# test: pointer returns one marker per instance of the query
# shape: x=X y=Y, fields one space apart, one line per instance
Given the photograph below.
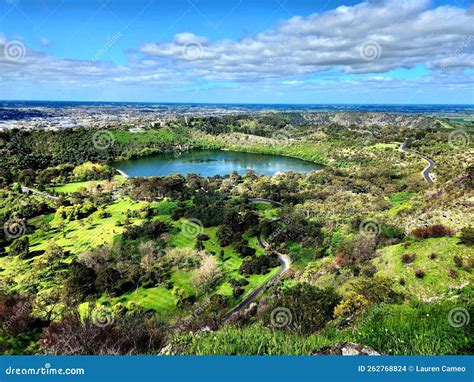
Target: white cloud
x=405 y=32
x=400 y=34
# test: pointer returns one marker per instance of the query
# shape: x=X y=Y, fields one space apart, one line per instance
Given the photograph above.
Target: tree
x=467 y=235
x=306 y=307
x=20 y=247
x=207 y=274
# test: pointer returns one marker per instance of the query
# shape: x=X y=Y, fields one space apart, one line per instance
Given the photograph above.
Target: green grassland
x=69 y=188
x=437 y=282
x=78 y=236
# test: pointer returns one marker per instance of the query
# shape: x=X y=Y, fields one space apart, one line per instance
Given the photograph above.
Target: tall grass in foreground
x=411 y=329
x=415 y=329
x=260 y=340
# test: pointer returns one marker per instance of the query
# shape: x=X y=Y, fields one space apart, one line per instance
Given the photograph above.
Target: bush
x=127 y=334
x=467 y=235
x=437 y=230
x=102 y=214
x=20 y=247
x=243 y=248
x=419 y=273
x=151 y=229
x=238 y=291
x=306 y=307
x=453 y=273
x=458 y=261
x=258 y=265
x=369 y=270
x=353 y=305
x=376 y=290
x=202 y=237
x=408 y=258
x=469 y=263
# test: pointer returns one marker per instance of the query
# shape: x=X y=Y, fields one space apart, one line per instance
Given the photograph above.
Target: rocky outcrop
x=363 y=119
x=346 y=348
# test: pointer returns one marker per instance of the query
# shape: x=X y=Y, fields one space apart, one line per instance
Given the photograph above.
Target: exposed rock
x=346 y=348
x=167 y=350
x=251 y=309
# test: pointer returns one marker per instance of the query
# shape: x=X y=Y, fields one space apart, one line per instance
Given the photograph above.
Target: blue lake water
x=213 y=162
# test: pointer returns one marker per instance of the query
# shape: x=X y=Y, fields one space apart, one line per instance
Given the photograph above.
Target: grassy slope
x=437 y=280
x=69 y=188
x=88 y=233
x=409 y=329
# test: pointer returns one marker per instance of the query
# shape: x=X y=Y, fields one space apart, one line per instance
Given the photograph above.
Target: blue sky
x=238 y=51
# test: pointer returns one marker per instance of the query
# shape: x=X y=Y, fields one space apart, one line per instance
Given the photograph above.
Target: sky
x=238 y=51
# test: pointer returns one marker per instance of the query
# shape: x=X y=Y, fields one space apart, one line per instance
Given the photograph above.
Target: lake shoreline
x=212 y=162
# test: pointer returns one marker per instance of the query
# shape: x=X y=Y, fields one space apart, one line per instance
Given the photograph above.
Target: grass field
x=78 y=236
x=69 y=188
x=83 y=234
x=437 y=281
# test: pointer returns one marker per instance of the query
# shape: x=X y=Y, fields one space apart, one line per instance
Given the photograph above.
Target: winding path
x=430 y=164
x=27 y=190
x=284 y=261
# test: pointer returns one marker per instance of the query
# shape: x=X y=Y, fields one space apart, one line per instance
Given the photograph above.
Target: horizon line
x=244 y=103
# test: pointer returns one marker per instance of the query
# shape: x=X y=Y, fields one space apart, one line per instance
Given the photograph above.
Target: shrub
x=20 y=247
x=419 y=273
x=307 y=308
x=453 y=273
x=457 y=261
x=376 y=290
x=437 y=230
x=469 y=263
x=202 y=237
x=102 y=214
x=237 y=291
x=151 y=229
x=408 y=258
x=353 y=305
x=130 y=334
x=243 y=248
x=258 y=265
x=369 y=270
x=467 y=235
